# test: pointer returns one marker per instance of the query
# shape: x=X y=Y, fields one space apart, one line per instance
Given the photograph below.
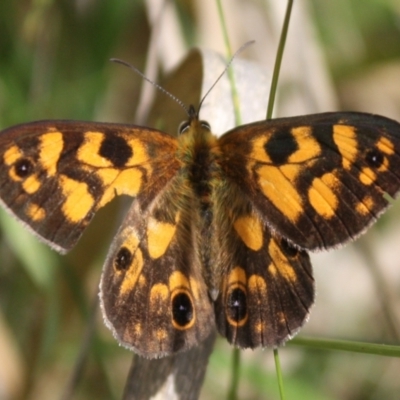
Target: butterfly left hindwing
x=219 y=228
x=153 y=294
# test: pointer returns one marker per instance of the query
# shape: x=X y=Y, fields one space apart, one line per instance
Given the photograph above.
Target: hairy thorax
x=200 y=170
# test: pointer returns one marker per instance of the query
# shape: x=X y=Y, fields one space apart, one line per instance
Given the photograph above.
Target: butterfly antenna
x=160 y=88
x=243 y=47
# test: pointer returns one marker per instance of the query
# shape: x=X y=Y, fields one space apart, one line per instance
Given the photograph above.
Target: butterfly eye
x=205 y=125
x=123 y=259
x=183 y=127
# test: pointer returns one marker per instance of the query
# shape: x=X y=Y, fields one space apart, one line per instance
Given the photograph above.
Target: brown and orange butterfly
x=219 y=228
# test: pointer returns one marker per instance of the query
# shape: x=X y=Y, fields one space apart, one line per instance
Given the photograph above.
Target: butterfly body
x=219 y=228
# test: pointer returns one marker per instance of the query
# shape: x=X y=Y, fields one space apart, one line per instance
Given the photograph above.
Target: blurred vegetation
x=54 y=64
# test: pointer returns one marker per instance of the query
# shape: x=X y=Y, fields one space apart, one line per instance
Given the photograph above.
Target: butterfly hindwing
x=153 y=294
x=267 y=287
x=55 y=175
x=318 y=180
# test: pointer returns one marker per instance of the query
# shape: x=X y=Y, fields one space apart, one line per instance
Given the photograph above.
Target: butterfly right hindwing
x=267 y=287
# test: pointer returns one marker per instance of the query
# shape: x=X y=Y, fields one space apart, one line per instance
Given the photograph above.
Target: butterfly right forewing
x=318 y=180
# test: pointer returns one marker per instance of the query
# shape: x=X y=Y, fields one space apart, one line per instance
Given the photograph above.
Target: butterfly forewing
x=55 y=175
x=318 y=180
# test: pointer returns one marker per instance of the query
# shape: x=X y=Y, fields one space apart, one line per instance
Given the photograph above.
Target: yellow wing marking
x=158 y=303
x=291 y=171
x=159 y=236
x=159 y=295
x=257 y=285
x=119 y=182
x=249 y=228
x=280 y=191
x=367 y=176
x=31 y=184
x=258 y=290
x=385 y=145
x=280 y=264
x=308 y=147
x=194 y=285
x=89 y=152
x=50 y=149
x=384 y=166
x=140 y=155
x=258 y=152
x=35 y=213
x=178 y=280
x=132 y=275
x=237 y=276
x=364 y=207
x=345 y=139
x=78 y=200
x=12 y=155
x=322 y=196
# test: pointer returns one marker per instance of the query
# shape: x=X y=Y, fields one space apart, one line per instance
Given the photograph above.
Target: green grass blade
x=348 y=345
x=278 y=60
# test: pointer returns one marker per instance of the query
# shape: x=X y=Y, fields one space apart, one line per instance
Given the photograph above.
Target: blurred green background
x=54 y=64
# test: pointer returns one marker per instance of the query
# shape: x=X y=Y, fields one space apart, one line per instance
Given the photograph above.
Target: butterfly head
x=193 y=124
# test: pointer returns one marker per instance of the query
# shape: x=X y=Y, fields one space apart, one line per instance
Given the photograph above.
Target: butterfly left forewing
x=152 y=290
x=318 y=180
x=54 y=175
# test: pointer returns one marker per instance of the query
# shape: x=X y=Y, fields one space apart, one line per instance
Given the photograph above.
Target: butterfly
x=219 y=229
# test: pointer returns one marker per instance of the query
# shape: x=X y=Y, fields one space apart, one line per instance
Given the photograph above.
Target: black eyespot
x=237 y=305
x=182 y=309
x=205 y=125
x=288 y=248
x=23 y=168
x=374 y=158
x=183 y=127
x=123 y=259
